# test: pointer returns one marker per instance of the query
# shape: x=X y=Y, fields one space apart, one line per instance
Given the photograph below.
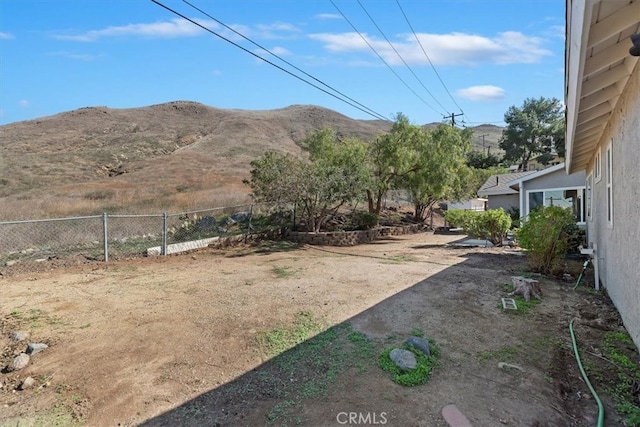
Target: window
x=609 y=186
x=588 y=204
x=567 y=198
x=597 y=166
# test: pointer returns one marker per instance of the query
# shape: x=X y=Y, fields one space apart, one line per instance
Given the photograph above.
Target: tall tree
x=392 y=156
x=441 y=172
x=535 y=128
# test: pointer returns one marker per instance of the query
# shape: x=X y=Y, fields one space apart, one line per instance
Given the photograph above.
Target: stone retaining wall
x=350 y=238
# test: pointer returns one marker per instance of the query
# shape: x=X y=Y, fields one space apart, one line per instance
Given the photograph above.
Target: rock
x=27 y=383
x=18 y=336
x=419 y=344
x=404 y=359
x=12 y=262
x=240 y=216
x=18 y=362
x=503 y=365
x=34 y=348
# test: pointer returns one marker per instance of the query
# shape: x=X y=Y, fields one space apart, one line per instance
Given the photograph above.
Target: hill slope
x=175 y=155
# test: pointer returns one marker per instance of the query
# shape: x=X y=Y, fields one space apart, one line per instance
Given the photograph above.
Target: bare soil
x=174 y=340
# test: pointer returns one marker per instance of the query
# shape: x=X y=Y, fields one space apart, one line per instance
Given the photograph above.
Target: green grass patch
x=620 y=383
x=307 y=361
x=413 y=377
x=523 y=306
x=283 y=272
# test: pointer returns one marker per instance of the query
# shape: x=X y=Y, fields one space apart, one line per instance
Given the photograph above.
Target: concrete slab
x=470 y=243
x=182 y=247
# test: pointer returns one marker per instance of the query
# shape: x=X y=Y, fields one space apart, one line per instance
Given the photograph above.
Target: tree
x=440 y=172
x=535 y=128
x=480 y=160
x=391 y=157
x=335 y=175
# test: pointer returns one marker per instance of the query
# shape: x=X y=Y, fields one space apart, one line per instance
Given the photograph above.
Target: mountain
x=177 y=155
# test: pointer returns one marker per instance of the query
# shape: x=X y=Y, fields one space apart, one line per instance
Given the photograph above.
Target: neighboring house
x=602 y=97
x=498 y=192
x=552 y=187
x=478 y=204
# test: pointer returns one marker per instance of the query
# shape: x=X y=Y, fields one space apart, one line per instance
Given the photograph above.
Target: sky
x=367 y=59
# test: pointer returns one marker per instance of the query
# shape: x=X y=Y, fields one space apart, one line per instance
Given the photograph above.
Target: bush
x=459 y=218
x=546 y=236
x=363 y=220
x=492 y=224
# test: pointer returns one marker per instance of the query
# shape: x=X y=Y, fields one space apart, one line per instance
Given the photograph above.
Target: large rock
x=33 y=348
x=404 y=359
x=419 y=344
x=18 y=362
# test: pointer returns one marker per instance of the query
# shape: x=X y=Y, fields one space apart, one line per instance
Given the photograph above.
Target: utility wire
x=381 y=58
x=400 y=56
x=282 y=59
x=429 y=59
x=376 y=115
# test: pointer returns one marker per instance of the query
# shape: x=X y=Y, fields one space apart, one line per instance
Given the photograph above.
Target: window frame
x=588 y=194
x=609 y=183
x=580 y=195
x=597 y=166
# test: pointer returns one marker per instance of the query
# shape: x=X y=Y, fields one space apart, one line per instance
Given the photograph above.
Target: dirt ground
x=174 y=341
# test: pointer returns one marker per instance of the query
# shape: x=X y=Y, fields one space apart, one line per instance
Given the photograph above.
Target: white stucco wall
x=618 y=247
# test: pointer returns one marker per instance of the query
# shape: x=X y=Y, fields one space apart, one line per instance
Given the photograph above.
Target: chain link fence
x=35 y=245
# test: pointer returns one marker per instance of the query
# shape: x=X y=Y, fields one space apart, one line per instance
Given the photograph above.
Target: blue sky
x=478 y=57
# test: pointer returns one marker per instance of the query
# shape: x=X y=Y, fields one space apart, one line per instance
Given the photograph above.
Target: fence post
x=105 y=237
x=164 y=233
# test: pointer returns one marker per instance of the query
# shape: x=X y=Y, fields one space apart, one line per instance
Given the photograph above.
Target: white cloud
x=6 y=36
x=482 y=93
x=72 y=55
x=175 y=28
x=281 y=51
x=24 y=103
x=328 y=16
x=510 y=47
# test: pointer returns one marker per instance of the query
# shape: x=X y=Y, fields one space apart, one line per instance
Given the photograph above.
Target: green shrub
x=363 y=220
x=492 y=224
x=545 y=235
x=458 y=217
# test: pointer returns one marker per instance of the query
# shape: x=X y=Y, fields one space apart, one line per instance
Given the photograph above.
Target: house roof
x=597 y=68
x=516 y=184
x=497 y=185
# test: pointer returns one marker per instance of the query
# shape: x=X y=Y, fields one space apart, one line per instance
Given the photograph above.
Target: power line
x=370 y=112
x=381 y=58
x=428 y=58
x=279 y=57
x=400 y=56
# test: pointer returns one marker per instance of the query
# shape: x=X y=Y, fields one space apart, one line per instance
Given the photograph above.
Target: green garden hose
x=584 y=268
x=586 y=379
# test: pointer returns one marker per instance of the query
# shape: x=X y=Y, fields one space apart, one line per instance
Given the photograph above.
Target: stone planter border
x=350 y=238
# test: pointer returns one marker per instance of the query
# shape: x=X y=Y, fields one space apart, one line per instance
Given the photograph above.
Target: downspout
x=595 y=266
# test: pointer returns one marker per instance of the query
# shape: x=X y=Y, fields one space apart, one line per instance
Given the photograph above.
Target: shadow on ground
x=323 y=380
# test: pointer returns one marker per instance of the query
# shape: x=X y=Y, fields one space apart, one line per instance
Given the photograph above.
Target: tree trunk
x=526 y=288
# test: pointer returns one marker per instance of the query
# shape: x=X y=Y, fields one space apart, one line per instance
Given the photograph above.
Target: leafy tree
x=480 y=160
x=392 y=157
x=441 y=172
x=534 y=129
x=335 y=175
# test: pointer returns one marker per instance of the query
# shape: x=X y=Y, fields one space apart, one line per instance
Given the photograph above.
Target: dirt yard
x=177 y=340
